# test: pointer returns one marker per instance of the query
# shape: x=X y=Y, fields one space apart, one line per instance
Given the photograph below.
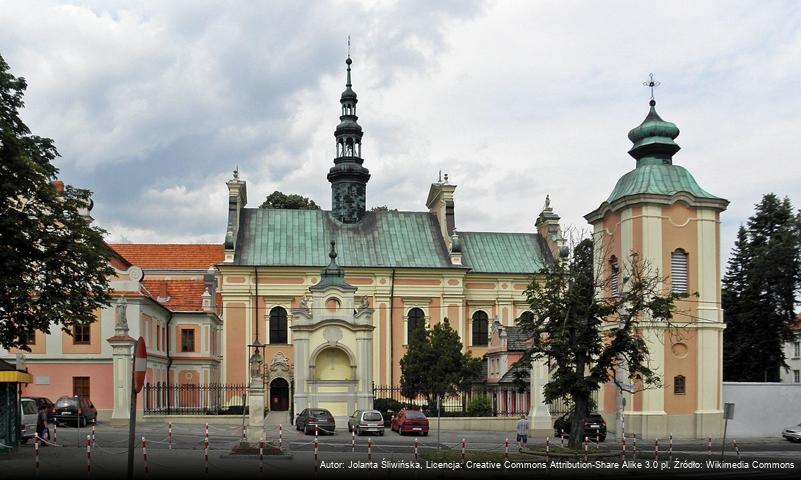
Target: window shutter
x=678 y=271
x=615 y=276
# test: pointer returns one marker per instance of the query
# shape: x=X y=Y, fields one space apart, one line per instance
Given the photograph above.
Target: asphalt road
x=183 y=455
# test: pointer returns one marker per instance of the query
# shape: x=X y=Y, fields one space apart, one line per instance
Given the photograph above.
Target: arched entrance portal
x=279 y=395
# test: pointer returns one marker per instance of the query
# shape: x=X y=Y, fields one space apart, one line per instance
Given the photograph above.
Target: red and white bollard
x=623 y=450
x=415 y=448
x=55 y=432
x=562 y=436
x=144 y=455
x=353 y=439
x=206 y=451
x=280 y=437
x=656 y=450
x=586 y=448
x=547 y=450
x=709 y=446
x=88 y=456
x=36 y=451
x=169 y=436
x=315 y=433
x=462 y=449
x=315 y=453
x=737 y=449
x=261 y=456
x=369 y=450
x=93 y=433
x=244 y=432
x=506 y=448
x=634 y=446
x=597 y=440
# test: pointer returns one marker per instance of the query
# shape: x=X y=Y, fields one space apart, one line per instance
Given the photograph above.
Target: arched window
x=278 y=325
x=678 y=271
x=414 y=318
x=614 y=276
x=480 y=329
x=679 y=385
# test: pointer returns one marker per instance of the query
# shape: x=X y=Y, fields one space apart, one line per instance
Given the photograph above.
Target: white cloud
x=513 y=99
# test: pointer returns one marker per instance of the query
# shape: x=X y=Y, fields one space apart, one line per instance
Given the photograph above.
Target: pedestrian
x=522 y=432
x=41 y=425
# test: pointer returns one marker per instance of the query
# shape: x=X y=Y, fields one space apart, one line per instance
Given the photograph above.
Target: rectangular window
x=80 y=386
x=797 y=376
x=187 y=340
x=679 y=385
x=30 y=339
x=796 y=349
x=81 y=334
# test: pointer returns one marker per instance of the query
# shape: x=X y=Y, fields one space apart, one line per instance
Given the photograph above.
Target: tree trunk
x=581 y=404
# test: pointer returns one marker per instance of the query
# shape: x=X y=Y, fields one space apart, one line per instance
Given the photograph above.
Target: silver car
x=29 y=417
x=363 y=421
x=792 y=433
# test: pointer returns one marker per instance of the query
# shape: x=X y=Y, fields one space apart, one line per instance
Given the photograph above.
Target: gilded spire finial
x=651 y=83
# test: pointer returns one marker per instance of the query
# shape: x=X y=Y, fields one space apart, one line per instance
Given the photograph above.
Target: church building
x=400 y=268
x=326 y=300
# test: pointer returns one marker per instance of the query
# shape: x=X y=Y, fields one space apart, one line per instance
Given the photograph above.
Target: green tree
x=434 y=364
x=383 y=208
x=292 y=201
x=54 y=266
x=762 y=280
x=589 y=336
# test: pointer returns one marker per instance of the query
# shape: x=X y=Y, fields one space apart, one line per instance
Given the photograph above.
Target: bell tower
x=660 y=212
x=348 y=177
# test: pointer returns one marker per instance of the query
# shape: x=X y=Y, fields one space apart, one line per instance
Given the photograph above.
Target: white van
x=29 y=415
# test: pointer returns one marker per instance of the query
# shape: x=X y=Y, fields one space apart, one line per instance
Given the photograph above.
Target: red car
x=410 y=421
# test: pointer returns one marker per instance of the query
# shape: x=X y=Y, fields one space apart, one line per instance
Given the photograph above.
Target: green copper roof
x=332 y=275
x=504 y=252
x=301 y=238
x=664 y=179
x=655 y=173
x=276 y=237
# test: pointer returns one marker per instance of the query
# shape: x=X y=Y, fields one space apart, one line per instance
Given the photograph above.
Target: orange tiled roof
x=177 y=295
x=167 y=256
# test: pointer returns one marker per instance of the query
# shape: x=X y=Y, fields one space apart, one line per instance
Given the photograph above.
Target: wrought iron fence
x=456 y=405
x=459 y=405
x=211 y=399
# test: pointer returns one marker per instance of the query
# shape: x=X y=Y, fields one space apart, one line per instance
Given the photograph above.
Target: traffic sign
x=140 y=365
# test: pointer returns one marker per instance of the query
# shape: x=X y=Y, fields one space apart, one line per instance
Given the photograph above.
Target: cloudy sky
x=153 y=105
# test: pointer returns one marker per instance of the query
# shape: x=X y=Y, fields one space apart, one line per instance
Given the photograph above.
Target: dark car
x=410 y=421
x=43 y=403
x=315 y=418
x=594 y=427
x=363 y=421
x=77 y=409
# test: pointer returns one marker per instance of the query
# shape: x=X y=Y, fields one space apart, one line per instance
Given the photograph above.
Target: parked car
x=364 y=421
x=792 y=433
x=29 y=415
x=319 y=418
x=410 y=421
x=78 y=409
x=44 y=403
x=594 y=426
